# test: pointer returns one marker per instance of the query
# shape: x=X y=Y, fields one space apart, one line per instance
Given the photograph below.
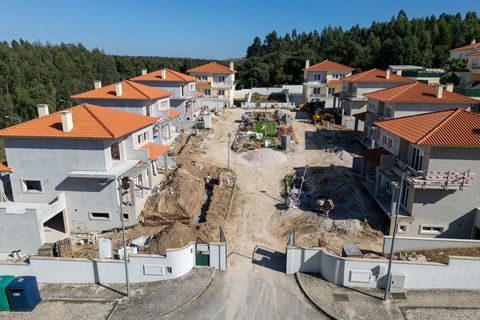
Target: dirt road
x=255 y=285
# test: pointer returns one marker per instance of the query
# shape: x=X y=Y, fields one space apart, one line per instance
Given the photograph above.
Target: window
x=126 y=216
x=115 y=151
x=145 y=135
x=405 y=191
x=317 y=77
x=431 y=229
x=169 y=269
x=402 y=228
x=192 y=86
x=416 y=158
x=163 y=105
x=221 y=92
x=386 y=184
x=155 y=131
x=202 y=78
x=388 y=142
x=221 y=78
x=388 y=113
x=331 y=91
x=208 y=92
x=99 y=216
x=32 y=186
x=316 y=91
x=142 y=137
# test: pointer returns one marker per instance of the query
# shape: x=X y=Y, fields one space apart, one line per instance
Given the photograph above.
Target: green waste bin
x=4 y=282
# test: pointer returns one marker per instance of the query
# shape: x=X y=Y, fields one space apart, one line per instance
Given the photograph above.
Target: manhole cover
x=340 y=297
x=399 y=296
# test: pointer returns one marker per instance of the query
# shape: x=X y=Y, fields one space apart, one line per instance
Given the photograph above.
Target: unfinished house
x=439 y=155
x=133 y=97
x=406 y=100
x=70 y=170
x=216 y=84
x=322 y=81
x=352 y=99
x=184 y=102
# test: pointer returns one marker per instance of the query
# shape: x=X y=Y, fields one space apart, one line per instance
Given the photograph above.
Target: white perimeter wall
x=417 y=243
x=459 y=273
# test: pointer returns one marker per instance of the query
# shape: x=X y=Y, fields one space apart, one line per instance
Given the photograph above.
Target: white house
x=73 y=171
x=216 y=83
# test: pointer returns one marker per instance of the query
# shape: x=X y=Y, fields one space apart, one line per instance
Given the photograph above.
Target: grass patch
x=271 y=128
x=441 y=255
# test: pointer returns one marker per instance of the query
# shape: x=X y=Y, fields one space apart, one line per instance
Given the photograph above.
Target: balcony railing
x=222 y=84
x=433 y=179
x=355 y=96
x=316 y=83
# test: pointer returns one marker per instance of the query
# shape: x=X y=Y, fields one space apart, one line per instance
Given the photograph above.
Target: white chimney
x=307 y=64
x=439 y=93
x=144 y=72
x=97 y=84
x=449 y=87
x=118 y=89
x=42 y=110
x=387 y=74
x=232 y=65
x=473 y=41
x=164 y=73
x=399 y=72
x=67 y=121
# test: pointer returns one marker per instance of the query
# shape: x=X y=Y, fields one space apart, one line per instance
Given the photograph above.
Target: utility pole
x=386 y=296
x=265 y=117
x=228 y=157
x=125 y=252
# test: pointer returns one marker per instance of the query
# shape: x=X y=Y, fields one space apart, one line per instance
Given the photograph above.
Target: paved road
x=252 y=290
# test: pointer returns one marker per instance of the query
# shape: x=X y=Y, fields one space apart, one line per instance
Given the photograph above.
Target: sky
x=197 y=29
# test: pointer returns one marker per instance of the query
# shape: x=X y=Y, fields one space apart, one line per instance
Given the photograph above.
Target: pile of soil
x=264 y=156
x=178 y=201
x=174 y=236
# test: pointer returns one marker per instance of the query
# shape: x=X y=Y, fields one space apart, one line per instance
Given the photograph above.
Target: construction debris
x=176 y=235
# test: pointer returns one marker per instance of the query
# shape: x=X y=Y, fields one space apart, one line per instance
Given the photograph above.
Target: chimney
x=307 y=64
x=439 y=93
x=144 y=72
x=164 y=73
x=67 y=121
x=399 y=72
x=231 y=65
x=473 y=41
x=387 y=74
x=42 y=110
x=97 y=84
x=118 y=89
x=449 y=87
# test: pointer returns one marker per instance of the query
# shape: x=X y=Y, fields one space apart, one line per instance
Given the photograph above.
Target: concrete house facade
x=140 y=99
x=406 y=100
x=183 y=99
x=323 y=80
x=216 y=84
x=439 y=155
x=68 y=169
x=352 y=98
x=469 y=79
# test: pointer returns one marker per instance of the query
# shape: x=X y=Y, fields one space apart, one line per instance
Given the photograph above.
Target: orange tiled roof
x=173 y=114
x=202 y=83
x=361 y=116
x=130 y=91
x=467 y=47
x=199 y=94
x=327 y=65
x=334 y=81
x=212 y=67
x=374 y=156
x=89 y=122
x=4 y=168
x=417 y=93
x=171 y=75
x=376 y=75
x=155 y=150
x=476 y=53
x=454 y=127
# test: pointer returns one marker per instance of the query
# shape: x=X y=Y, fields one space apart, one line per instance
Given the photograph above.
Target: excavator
x=315 y=109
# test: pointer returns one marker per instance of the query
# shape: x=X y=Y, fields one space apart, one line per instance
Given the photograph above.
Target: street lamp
x=125 y=252
x=228 y=157
x=265 y=117
x=386 y=296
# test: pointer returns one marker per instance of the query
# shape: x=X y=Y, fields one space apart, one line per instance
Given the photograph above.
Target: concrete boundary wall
x=417 y=243
x=459 y=273
x=142 y=267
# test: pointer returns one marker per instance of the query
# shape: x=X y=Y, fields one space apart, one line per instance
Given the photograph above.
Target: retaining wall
x=417 y=243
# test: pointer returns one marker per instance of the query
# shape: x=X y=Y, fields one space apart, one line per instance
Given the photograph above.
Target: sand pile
x=180 y=200
x=264 y=156
x=174 y=236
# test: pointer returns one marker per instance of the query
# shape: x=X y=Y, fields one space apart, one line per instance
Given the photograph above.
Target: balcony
x=352 y=96
x=315 y=83
x=222 y=85
x=446 y=180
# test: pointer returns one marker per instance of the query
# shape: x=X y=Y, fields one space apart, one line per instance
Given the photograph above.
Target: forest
x=32 y=73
